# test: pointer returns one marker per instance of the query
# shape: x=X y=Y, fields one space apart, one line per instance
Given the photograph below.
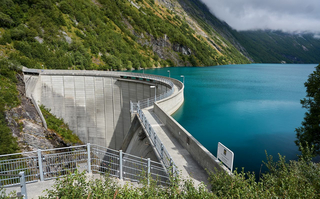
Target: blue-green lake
x=249 y=108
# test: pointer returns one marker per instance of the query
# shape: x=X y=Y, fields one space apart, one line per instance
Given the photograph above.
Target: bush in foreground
x=293 y=179
x=76 y=186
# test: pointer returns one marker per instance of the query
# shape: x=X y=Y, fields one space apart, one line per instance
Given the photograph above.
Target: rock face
x=27 y=127
x=164 y=48
x=180 y=48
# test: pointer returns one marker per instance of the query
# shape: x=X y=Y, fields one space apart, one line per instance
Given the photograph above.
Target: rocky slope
x=27 y=127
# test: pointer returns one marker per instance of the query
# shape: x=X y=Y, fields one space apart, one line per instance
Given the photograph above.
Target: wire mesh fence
x=62 y=161
x=53 y=163
x=13 y=164
x=105 y=160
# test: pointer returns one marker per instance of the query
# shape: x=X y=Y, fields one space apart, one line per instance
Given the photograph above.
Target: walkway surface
x=187 y=166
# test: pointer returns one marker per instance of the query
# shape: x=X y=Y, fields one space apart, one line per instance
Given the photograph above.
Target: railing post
x=161 y=155
x=148 y=102
x=148 y=171
x=150 y=130
x=171 y=165
x=40 y=165
x=120 y=164
x=89 y=158
x=23 y=185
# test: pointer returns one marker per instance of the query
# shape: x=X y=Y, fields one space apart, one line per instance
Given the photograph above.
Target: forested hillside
x=106 y=35
x=261 y=46
x=276 y=46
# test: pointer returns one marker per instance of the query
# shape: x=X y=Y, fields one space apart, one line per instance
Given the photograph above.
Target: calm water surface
x=248 y=108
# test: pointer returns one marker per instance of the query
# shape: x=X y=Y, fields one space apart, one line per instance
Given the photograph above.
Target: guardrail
x=162 y=152
x=53 y=163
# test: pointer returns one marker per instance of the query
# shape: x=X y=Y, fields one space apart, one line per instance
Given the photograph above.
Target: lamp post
x=183 y=78
x=155 y=93
x=169 y=73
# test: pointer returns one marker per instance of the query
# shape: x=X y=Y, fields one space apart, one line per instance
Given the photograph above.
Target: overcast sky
x=286 y=15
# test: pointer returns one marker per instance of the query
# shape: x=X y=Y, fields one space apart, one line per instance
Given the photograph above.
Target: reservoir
x=249 y=108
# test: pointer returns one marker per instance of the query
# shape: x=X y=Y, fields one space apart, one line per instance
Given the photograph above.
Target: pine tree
x=309 y=132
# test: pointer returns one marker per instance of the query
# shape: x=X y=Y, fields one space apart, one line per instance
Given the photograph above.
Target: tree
x=309 y=132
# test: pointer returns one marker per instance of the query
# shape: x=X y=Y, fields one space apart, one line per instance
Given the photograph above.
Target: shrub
x=59 y=127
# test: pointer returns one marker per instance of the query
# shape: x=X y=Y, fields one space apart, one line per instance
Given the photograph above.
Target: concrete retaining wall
x=197 y=151
x=96 y=107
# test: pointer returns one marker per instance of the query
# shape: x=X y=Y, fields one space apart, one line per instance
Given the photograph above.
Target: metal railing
x=23 y=186
x=162 y=152
x=53 y=163
x=151 y=78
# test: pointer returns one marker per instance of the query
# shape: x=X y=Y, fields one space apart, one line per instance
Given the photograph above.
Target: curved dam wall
x=96 y=105
x=166 y=107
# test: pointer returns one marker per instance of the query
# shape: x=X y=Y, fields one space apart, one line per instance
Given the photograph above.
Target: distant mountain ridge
x=261 y=46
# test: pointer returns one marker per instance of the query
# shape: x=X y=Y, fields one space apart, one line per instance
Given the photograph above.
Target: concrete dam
x=119 y=110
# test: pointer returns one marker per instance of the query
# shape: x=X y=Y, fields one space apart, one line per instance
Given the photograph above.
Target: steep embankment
x=109 y=35
x=21 y=128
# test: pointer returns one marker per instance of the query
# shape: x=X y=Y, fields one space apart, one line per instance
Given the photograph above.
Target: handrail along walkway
x=54 y=163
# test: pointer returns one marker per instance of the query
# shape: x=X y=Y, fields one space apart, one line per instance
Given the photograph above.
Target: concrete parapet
x=197 y=150
x=172 y=103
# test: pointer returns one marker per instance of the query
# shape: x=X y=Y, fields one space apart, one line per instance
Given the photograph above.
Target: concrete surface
x=198 y=152
x=136 y=142
x=96 y=105
x=187 y=166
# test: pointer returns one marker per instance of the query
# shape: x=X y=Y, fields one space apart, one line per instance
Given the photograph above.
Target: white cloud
x=285 y=15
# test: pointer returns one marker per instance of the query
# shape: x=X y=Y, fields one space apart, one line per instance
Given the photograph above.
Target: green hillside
x=276 y=46
x=105 y=35
x=262 y=46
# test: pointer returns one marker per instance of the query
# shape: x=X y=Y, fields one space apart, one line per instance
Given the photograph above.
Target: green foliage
x=308 y=134
x=8 y=100
x=106 y=30
x=59 y=127
x=76 y=186
x=5 y=20
x=293 y=179
x=276 y=46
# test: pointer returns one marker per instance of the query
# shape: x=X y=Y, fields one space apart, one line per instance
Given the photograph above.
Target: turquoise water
x=248 y=108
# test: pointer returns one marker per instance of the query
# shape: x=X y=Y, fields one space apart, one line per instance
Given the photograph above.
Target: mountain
x=260 y=46
x=108 y=35
x=275 y=46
